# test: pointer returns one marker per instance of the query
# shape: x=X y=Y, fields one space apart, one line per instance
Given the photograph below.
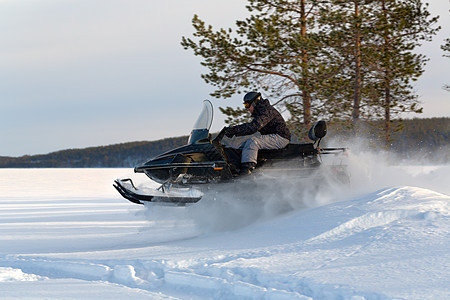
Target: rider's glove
x=230 y=131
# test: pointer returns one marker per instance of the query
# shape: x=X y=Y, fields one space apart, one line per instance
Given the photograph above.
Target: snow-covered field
x=67 y=234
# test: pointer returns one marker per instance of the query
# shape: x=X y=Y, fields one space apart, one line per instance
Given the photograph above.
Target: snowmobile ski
x=128 y=190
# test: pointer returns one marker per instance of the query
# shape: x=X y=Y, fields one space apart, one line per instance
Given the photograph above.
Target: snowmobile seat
x=290 y=151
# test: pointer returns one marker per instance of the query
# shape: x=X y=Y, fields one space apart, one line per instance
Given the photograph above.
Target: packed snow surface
x=67 y=234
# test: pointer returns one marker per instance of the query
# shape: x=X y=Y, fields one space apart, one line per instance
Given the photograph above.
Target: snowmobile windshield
x=200 y=131
x=204 y=121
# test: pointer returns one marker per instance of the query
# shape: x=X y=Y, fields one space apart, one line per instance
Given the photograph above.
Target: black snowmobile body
x=206 y=161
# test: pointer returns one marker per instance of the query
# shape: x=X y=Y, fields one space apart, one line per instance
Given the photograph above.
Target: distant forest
x=423 y=138
x=111 y=156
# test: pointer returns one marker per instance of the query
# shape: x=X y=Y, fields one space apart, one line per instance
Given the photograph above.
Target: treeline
x=411 y=138
x=425 y=138
x=111 y=156
x=423 y=135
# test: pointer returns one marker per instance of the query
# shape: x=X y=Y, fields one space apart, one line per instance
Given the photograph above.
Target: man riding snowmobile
x=267 y=121
x=186 y=173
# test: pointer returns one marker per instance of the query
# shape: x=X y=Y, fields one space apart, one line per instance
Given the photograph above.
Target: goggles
x=247 y=105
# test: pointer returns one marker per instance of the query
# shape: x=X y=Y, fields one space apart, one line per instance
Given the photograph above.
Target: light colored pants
x=269 y=141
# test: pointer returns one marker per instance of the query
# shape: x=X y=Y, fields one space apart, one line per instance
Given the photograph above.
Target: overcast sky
x=80 y=73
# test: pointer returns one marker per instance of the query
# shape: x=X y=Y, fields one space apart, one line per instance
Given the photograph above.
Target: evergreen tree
x=399 y=27
x=346 y=32
x=377 y=38
x=275 y=50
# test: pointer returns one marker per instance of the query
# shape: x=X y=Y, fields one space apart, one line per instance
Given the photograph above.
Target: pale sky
x=81 y=73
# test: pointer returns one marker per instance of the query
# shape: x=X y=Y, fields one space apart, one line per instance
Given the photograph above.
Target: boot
x=247 y=168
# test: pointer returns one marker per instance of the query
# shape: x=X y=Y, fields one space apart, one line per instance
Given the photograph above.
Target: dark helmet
x=250 y=98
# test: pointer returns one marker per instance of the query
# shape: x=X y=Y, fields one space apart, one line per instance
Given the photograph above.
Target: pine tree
x=346 y=32
x=377 y=38
x=399 y=27
x=275 y=50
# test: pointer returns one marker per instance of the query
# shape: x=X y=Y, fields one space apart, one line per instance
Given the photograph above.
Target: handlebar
x=216 y=143
x=220 y=136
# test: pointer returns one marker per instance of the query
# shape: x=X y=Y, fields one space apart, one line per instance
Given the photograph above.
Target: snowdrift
x=391 y=243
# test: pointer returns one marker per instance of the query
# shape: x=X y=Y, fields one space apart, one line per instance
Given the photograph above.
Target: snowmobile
x=184 y=172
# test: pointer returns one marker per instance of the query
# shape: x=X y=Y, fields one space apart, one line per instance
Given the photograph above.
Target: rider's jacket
x=266 y=120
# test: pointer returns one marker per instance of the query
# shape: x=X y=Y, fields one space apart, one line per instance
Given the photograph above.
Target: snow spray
x=230 y=206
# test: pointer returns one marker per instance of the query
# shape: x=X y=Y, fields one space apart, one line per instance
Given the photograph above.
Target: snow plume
x=263 y=196
x=258 y=198
x=230 y=206
x=236 y=205
x=374 y=169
